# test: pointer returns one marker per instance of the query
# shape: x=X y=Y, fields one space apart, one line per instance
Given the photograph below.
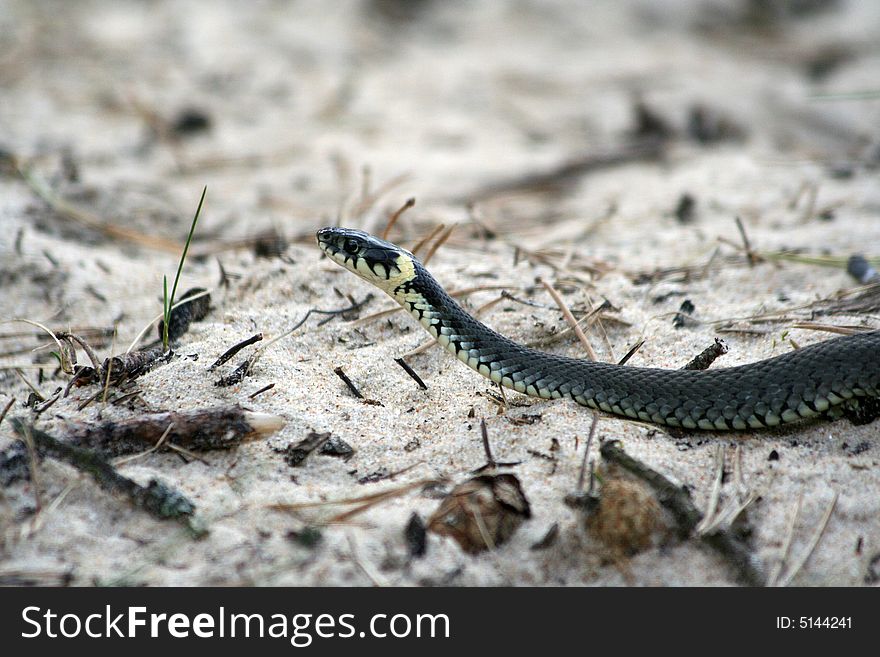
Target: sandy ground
x=336 y=113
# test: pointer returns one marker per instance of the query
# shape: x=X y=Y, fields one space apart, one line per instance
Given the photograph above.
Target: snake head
x=381 y=263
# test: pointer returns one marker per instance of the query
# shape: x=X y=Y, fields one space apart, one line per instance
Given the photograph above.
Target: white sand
x=459 y=98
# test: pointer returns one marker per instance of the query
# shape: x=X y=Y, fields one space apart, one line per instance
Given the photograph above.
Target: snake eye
x=351 y=247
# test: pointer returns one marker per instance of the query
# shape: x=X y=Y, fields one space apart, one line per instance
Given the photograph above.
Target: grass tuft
x=167 y=301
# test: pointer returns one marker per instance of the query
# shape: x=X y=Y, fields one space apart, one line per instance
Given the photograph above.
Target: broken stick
x=203 y=429
x=156 y=498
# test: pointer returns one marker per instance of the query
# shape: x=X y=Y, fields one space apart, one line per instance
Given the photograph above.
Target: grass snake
x=804 y=383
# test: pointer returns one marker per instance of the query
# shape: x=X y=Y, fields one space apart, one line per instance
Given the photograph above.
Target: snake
x=821 y=379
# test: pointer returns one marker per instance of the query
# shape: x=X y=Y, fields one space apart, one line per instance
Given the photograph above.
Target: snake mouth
x=326 y=241
x=342 y=245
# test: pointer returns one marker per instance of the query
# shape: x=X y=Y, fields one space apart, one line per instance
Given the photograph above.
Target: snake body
x=801 y=384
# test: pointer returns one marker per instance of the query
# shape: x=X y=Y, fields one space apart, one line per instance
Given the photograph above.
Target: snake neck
x=487 y=352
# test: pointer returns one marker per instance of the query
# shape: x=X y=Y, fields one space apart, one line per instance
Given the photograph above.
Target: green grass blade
x=166 y=312
x=170 y=300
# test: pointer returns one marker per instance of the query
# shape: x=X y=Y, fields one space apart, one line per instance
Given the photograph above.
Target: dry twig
x=572 y=322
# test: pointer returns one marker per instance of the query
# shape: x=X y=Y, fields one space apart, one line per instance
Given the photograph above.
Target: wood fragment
x=188 y=298
x=684 y=211
x=705 y=358
x=409 y=370
x=583 y=471
x=46 y=405
x=436 y=245
x=427 y=238
x=158 y=499
x=361 y=503
x=91 y=290
x=234 y=349
x=338 y=371
x=70 y=337
x=382 y=473
x=130 y=365
x=707 y=125
x=410 y=202
x=491 y=463
x=830 y=328
x=295 y=455
x=572 y=322
x=203 y=429
x=159 y=443
x=195 y=304
x=753 y=259
x=308 y=537
x=650 y=123
x=236 y=376
x=632 y=351
x=244 y=368
x=261 y=391
x=542 y=455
